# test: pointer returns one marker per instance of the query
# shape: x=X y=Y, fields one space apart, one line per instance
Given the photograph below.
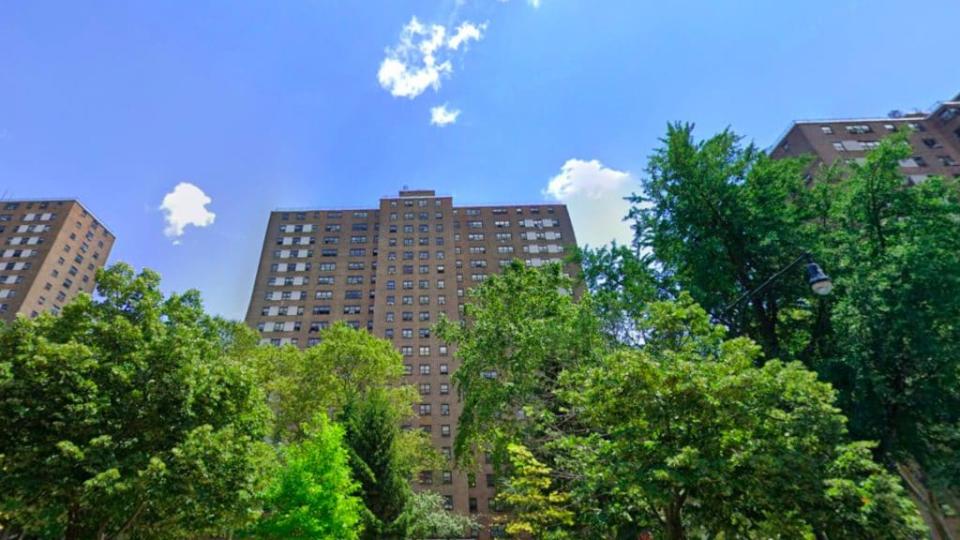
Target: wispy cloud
x=594 y=195
x=422 y=57
x=185 y=205
x=442 y=116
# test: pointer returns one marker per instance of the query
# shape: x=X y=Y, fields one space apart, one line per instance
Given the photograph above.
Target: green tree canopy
x=312 y=495
x=523 y=329
x=687 y=433
x=718 y=218
x=129 y=416
x=342 y=369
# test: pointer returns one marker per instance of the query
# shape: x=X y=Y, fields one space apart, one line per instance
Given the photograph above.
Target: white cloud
x=185 y=205
x=422 y=56
x=442 y=116
x=534 y=3
x=594 y=195
x=465 y=32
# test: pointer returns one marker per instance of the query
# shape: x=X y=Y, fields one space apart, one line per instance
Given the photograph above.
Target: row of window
x=329 y=227
x=422 y=316
x=426 y=368
x=863 y=129
x=423 y=300
x=16 y=253
x=322 y=267
x=24 y=240
x=426 y=389
x=426 y=409
x=332 y=214
x=308 y=253
x=311 y=240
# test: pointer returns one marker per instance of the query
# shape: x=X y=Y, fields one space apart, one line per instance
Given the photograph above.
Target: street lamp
x=819 y=281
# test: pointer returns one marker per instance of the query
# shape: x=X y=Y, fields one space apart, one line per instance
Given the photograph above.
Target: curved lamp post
x=819 y=281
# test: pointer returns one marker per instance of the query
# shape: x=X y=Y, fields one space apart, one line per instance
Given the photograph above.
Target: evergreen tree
x=373 y=435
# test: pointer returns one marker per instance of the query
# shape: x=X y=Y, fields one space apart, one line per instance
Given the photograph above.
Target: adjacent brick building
x=50 y=251
x=393 y=270
x=935 y=138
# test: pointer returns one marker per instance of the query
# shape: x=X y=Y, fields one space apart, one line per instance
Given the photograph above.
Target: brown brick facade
x=393 y=270
x=50 y=251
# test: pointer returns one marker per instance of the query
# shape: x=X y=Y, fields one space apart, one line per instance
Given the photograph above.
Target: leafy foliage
x=342 y=369
x=425 y=517
x=313 y=494
x=356 y=378
x=690 y=436
x=621 y=283
x=524 y=329
x=372 y=434
x=536 y=510
x=133 y=415
x=683 y=434
x=896 y=356
x=718 y=218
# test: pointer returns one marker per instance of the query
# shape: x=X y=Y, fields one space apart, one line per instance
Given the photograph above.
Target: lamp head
x=818 y=280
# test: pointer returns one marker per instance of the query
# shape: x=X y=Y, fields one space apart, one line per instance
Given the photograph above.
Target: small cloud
x=422 y=57
x=185 y=205
x=534 y=3
x=442 y=116
x=594 y=195
x=465 y=32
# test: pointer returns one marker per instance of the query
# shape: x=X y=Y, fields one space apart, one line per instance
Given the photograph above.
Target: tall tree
x=342 y=369
x=524 y=328
x=683 y=434
x=895 y=255
x=312 y=495
x=373 y=436
x=133 y=415
x=621 y=283
x=719 y=218
x=690 y=436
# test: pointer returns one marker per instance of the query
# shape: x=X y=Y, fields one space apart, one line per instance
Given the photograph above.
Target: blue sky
x=262 y=105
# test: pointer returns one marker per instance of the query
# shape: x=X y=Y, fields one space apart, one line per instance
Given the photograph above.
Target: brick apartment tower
x=50 y=251
x=935 y=138
x=393 y=270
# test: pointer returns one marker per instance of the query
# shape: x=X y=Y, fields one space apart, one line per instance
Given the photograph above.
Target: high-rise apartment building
x=934 y=136
x=393 y=270
x=50 y=251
